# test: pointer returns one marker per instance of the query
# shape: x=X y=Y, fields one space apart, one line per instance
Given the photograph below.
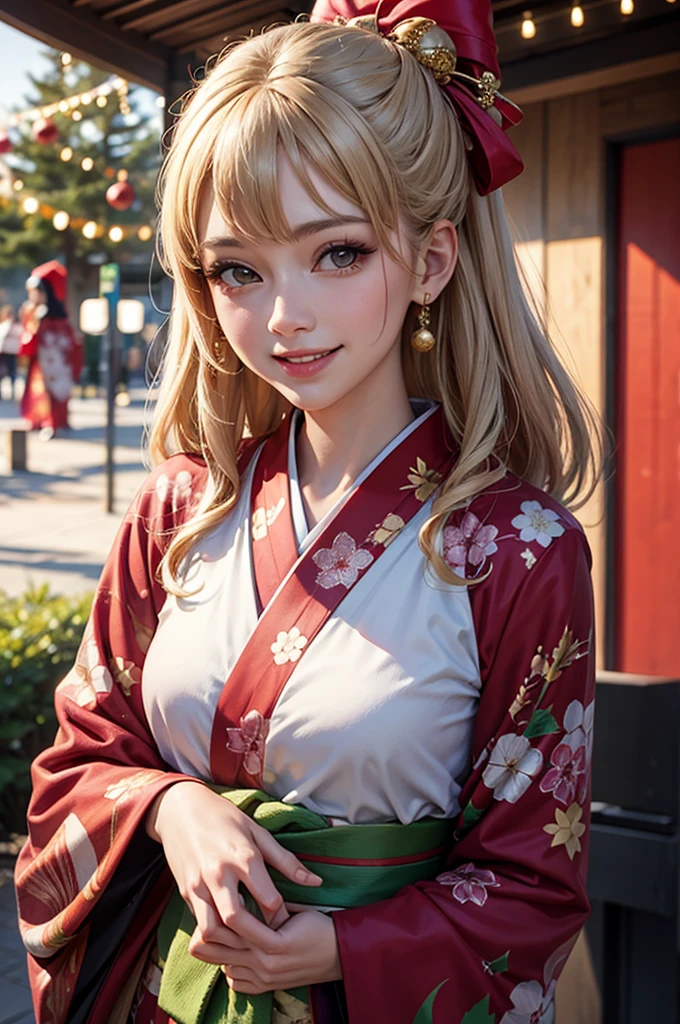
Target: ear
x=436 y=262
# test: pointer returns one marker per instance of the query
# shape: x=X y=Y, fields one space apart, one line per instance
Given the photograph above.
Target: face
x=317 y=318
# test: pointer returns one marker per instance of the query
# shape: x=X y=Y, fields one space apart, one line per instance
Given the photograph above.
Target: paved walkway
x=53 y=528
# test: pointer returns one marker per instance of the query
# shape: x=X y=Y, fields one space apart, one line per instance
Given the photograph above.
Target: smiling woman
x=314 y=745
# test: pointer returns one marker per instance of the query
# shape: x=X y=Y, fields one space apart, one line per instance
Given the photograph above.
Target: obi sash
x=359 y=864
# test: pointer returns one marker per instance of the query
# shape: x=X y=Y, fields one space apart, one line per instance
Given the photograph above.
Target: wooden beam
x=240 y=18
x=602 y=78
x=171 y=14
x=61 y=25
x=120 y=12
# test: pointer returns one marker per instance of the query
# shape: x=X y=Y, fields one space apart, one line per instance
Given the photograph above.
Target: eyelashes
x=216 y=269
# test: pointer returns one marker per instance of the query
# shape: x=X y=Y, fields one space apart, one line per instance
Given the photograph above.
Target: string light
x=18 y=185
x=63 y=107
x=144 y=233
x=116 y=233
x=528 y=26
x=86 y=98
x=61 y=220
x=66 y=59
x=30 y=205
x=90 y=229
x=87 y=163
x=66 y=154
x=160 y=101
x=102 y=101
x=76 y=115
x=577 y=18
x=627 y=6
x=122 y=175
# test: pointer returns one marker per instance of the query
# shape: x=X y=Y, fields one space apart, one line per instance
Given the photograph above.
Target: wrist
x=160 y=811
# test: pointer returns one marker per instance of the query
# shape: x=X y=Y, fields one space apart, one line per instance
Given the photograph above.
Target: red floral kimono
x=56 y=359
x=484 y=941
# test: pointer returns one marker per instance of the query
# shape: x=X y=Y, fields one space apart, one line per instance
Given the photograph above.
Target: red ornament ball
x=5 y=143
x=121 y=195
x=45 y=131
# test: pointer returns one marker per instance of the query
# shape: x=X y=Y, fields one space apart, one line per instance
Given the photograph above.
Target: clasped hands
x=212 y=847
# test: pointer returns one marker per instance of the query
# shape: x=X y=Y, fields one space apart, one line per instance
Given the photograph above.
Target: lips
x=301 y=356
x=301 y=363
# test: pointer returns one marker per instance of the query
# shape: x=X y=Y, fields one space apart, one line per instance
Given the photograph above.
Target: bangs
x=314 y=128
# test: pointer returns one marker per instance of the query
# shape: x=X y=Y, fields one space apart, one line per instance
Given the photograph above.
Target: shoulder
x=508 y=531
x=170 y=494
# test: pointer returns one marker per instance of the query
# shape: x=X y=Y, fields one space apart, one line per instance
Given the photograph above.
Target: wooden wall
x=558 y=206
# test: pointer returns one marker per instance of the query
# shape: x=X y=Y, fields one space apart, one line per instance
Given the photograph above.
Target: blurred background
x=86 y=87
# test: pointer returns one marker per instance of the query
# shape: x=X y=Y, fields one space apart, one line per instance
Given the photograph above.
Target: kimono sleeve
x=485 y=941
x=92 y=788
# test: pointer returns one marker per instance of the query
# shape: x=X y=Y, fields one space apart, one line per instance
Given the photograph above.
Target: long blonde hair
x=377 y=126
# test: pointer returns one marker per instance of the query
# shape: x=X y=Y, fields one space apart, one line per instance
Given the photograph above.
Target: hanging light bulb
x=61 y=220
x=160 y=101
x=144 y=233
x=116 y=233
x=30 y=205
x=63 y=107
x=577 y=16
x=66 y=59
x=90 y=229
x=528 y=26
x=101 y=101
x=76 y=115
x=85 y=99
x=87 y=163
x=627 y=6
x=66 y=154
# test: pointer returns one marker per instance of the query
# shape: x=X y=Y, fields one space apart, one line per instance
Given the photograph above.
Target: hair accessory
x=454 y=40
x=423 y=340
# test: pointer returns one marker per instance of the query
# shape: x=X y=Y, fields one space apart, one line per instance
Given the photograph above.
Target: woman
x=10 y=339
x=53 y=349
x=383 y=573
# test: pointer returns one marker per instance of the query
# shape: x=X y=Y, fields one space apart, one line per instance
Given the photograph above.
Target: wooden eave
x=154 y=41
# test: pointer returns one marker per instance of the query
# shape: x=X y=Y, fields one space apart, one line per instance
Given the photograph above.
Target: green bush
x=39 y=638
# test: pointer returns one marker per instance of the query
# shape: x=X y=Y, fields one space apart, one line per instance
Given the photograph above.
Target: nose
x=290 y=316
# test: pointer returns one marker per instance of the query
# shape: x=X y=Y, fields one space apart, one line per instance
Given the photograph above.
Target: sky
x=22 y=54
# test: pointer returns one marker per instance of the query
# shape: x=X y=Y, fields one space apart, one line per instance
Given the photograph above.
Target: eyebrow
x=310 y=227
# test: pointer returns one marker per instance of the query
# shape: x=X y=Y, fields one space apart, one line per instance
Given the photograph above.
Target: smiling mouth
x=311 y=358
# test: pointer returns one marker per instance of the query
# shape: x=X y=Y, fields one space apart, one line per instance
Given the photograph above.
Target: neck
x=335 y=444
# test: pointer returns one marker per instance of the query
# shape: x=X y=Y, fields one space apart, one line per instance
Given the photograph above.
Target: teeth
x=307 y=359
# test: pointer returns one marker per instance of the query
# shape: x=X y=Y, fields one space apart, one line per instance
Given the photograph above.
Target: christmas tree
x=53 y=202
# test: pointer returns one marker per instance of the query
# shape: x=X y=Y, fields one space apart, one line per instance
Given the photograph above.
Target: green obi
x=359 y=864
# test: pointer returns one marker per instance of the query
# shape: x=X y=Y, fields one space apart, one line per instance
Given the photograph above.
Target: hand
x=211 y=847
x=306 y=954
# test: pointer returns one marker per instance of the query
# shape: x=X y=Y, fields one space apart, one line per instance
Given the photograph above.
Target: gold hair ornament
x=435 y=50
x=423 y=340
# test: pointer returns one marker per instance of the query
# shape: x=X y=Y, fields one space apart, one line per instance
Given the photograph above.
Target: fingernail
x=301 y=875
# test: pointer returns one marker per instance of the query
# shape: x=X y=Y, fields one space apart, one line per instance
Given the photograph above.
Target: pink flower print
x=563 y=777
x=342 y=563
x=249 y=740
x=469 y=883
x=537 y=523
x=470 y=542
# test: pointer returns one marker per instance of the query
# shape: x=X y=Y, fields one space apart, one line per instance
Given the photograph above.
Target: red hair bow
x=484 y=114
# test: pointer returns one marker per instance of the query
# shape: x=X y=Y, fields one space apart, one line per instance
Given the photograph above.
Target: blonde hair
x=377 y=126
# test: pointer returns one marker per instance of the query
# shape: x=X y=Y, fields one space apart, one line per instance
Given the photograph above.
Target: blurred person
x=53 y=349
x=11 y=331
x=325 y=750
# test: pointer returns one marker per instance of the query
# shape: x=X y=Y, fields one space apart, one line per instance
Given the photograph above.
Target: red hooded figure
x=53 y=348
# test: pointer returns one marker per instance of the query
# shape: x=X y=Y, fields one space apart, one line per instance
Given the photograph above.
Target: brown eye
x=242 y=275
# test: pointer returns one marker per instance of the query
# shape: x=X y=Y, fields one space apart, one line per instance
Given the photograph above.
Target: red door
x=648 y=352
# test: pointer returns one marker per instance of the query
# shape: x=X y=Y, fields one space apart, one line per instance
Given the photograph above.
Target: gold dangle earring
x=218 y=352
x=423 y=340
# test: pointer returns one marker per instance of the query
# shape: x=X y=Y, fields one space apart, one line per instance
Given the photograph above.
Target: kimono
x=333 y=669
x=55 y=361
